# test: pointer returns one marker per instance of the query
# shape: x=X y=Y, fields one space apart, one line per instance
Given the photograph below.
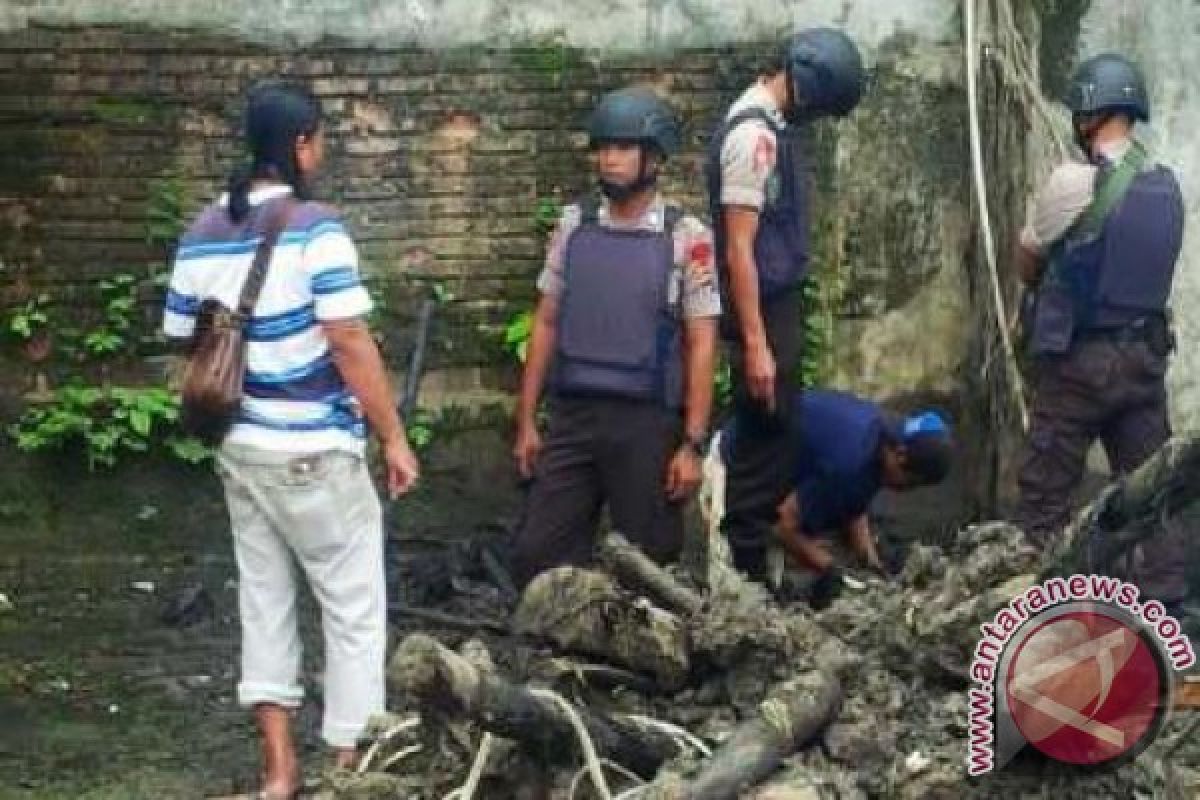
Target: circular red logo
x=1085 y=688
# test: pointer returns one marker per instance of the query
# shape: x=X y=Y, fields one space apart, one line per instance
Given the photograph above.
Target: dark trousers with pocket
x=1112 y=390
x=760 y=469
x=599 y=451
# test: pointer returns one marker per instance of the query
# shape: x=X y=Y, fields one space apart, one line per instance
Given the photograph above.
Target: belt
x=1139 y=330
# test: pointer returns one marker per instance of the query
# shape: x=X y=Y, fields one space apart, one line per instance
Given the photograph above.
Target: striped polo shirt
x=295 y=399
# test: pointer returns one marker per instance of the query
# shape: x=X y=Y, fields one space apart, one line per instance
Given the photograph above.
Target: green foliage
x=125 y=111
x=107 y=421
x=551 y=57
x=88 y=413
x=546 y=214
x=420 y=427
x=442 y=294
x=165 y=210
x=517 y=333
x=119 y=298
x=822 y=295
x=29 y=319
x=722 y=385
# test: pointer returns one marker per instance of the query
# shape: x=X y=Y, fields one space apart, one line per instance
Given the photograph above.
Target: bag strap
x=278 y=213
x=1111 y=186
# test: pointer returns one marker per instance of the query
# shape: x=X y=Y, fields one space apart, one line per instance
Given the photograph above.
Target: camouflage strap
x=1111 y=186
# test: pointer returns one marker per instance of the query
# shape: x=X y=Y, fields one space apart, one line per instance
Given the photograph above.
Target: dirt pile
x=628 y=681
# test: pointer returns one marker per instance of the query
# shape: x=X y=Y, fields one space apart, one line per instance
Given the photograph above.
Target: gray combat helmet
x=826 y=72
x=634 y=115
x=1108 y=82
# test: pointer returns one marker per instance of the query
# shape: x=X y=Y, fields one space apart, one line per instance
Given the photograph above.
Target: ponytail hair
x=277 y=114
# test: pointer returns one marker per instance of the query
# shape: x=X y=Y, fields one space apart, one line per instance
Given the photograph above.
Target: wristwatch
x=697 y=443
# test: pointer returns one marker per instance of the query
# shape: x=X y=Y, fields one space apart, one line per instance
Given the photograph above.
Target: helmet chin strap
x=799 y=109
x=1085 y=138
x=618 y=192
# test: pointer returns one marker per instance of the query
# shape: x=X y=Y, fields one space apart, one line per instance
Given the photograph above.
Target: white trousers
x=320 y=512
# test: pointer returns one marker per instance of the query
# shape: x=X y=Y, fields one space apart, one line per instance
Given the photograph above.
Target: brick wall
x=438 y=159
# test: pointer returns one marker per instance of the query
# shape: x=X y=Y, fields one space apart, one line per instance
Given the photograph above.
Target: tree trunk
x=1129 y=510
x=792 y=716
x=635 y=570
x=444 y=680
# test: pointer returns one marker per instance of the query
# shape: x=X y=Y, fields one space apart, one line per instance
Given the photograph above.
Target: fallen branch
x=605 y=676
x=793 y=715
x=585 y=611
x=442 y=679
x=456 y=621
x=635 y=570
x=1129 y=510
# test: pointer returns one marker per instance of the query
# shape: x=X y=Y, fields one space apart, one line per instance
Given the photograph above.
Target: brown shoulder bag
x=216 y=366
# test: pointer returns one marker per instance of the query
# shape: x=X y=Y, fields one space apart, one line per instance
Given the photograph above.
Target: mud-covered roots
x=668 y=687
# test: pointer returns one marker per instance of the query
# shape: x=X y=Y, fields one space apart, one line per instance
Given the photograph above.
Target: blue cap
x=923 y=423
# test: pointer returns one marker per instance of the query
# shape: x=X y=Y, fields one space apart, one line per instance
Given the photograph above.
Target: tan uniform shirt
x=1063 y=198
x=748 y=155
x=695 y=273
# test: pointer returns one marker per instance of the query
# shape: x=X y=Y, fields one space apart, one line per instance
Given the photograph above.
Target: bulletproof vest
x=1132 y=267
x=619 y=328
x=781 y=245
x=1116 y=273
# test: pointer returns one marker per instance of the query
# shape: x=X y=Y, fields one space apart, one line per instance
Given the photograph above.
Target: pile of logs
x=627 y=680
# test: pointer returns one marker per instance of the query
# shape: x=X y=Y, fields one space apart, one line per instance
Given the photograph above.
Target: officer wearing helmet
x=623 y=343
x=1100 y=250
x=758 y=195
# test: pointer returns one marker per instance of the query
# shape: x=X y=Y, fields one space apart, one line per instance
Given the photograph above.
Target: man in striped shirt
x=296 y=400
x=293 y=468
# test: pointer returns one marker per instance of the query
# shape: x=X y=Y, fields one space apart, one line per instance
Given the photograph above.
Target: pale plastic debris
x=143 y=586
x=853 y=583
x=916 y=762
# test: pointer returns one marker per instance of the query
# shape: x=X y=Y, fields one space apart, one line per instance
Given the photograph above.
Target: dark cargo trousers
x=1113 y=390
x=760 y=469
x=598 y=451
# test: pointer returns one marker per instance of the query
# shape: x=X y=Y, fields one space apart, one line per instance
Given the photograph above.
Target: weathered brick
x=97 y=83
x=67 y=82
x=444 y=153
x=182 y=63
x=341 y=86
x=407 y=84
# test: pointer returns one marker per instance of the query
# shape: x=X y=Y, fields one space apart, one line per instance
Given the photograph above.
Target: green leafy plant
x=29 y=319
x=517 y=332
x=420 y=428
x=106 y=421
x=119 y=297
x=723 y=385
x=545 y=214
x=821 y=297
x=442 y=294
x=165 y=215
x=550 y=56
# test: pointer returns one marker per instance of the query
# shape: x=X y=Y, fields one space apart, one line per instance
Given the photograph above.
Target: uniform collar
x=760 y=96
x=653 y=218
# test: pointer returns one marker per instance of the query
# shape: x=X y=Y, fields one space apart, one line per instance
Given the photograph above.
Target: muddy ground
x=99 y=697
x=102 y=698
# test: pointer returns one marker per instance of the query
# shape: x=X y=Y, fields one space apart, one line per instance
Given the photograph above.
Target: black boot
x=825 y=589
